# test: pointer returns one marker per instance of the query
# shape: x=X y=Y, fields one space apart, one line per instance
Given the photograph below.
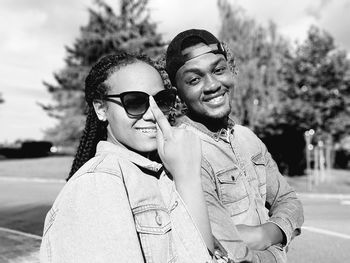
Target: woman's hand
x=179 y=149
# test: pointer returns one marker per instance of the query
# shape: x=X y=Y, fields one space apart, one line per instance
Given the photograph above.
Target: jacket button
x=158 y=219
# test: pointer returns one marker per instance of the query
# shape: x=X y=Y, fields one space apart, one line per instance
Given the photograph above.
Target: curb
x=21 y=233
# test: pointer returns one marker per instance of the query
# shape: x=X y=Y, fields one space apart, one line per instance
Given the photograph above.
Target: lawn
x=55 y=167
x=335 y=182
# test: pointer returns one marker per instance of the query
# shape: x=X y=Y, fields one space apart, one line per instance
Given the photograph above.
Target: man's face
x=203 y=83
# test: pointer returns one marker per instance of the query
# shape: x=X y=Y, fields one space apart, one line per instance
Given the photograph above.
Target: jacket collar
x=115 y=147
x=220 y=134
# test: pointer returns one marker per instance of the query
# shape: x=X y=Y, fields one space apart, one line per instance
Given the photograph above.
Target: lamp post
x=308 y=148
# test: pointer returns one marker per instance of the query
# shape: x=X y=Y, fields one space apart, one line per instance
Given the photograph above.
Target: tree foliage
x=259 y=54
x=281 y=92
x=106 y=32
x=317 y=91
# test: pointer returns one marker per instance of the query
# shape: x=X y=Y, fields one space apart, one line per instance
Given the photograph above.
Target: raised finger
x=161 y=120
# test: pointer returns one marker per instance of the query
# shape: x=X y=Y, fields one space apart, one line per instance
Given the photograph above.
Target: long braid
x=94 y=132
x=95 y=88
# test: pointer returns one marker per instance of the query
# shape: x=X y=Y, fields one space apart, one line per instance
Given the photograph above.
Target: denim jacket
x=120 y=207
x=242 y=185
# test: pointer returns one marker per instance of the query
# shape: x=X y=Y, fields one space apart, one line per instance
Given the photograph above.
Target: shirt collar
x=115 y=147
x=220 y=134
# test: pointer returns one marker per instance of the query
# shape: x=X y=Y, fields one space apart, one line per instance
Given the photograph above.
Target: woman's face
x=138 y=134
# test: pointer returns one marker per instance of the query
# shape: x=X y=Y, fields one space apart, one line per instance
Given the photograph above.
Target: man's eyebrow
x=199 y=71
x=192 y=70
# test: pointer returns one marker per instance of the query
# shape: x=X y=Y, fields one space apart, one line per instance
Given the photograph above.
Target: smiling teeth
x=217 y=99
x=151 y=130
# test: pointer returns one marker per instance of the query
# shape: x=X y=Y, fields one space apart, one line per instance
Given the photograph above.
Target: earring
x=101 y=118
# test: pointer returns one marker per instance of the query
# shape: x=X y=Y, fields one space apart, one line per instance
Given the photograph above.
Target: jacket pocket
x=232 y=191
x=153 y=226
x=259 y=164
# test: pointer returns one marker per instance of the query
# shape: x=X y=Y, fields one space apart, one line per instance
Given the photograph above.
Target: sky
x=34 y=34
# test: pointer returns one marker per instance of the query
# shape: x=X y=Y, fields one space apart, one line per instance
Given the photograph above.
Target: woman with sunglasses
x=120 y=204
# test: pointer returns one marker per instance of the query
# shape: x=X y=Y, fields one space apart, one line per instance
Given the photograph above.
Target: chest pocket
x=260 y=171
x=232 y=191
x=153 y=226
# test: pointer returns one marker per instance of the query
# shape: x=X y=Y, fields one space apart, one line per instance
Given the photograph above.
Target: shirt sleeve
x=95 y=223
x=285 y=209
x=274 y=253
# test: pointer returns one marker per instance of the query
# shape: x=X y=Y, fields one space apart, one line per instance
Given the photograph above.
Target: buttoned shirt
x=243 y=185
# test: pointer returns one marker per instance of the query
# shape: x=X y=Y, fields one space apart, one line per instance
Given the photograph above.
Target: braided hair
x=95 y=88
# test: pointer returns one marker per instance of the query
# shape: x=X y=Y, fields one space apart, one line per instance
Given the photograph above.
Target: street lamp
x=308 y=148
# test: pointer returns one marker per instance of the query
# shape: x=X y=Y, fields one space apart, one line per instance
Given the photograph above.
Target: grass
x=54 y=167
x=57 y=167
x=335 y=182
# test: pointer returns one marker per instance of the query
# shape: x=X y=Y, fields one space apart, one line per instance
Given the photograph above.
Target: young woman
x=120 y=205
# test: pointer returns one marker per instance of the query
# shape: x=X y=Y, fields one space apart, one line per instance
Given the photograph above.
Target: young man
x=243 y=188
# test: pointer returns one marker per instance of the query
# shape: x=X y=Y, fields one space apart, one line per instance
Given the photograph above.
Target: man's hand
x=261 y=237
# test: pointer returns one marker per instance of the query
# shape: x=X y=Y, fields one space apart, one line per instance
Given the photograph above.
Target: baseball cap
x=176 y=58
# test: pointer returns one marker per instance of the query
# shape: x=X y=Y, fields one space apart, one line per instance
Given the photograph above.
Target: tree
x=1 y=98
x=317 y=94
x=106 y=32
x=259 y=53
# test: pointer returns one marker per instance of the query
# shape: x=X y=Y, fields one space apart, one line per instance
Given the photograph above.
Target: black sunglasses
x=136 y=103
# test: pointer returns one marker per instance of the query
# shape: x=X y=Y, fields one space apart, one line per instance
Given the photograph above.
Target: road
x=23 y=204
x=326 y=232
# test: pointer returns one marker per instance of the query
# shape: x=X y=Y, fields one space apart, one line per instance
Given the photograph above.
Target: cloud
x=33 y=36
x=34 y=33
x=336 y=21
x=179 y=15
x=315 y=11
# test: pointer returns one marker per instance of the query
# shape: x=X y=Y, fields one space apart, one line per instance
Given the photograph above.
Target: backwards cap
x=175 y=58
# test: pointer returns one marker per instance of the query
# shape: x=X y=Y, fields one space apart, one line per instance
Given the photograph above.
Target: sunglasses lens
x=165 y=100
x=135 y=103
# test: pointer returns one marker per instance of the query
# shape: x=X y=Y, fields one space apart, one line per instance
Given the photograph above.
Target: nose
x=211 y=84
x=148 y=115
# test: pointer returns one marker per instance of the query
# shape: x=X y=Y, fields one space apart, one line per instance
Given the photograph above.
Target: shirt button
x=158 y=219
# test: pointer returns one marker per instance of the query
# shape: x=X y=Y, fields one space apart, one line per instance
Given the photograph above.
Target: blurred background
x=292 y=89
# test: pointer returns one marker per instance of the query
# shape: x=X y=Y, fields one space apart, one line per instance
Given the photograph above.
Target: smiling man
x=244 y=191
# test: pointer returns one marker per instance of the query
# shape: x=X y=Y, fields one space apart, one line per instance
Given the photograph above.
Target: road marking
x=324 y=196
x=17 y=232
x=325 y=232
